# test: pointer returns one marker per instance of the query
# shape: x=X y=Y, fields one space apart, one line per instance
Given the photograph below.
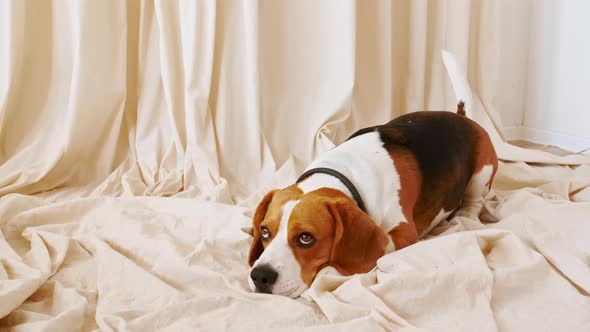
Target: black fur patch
x=445 y=151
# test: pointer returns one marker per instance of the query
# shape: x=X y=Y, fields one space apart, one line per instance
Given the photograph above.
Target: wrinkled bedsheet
x=179 y=264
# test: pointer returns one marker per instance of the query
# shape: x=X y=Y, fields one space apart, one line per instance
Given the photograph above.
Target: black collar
x=342 y=178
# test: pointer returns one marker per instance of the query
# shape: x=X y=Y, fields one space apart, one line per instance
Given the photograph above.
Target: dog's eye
x=264 y=232
x=305 y=240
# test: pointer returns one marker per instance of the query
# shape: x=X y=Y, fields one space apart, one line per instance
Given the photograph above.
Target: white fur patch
x=368 y=165
x=477 y=187
x=279 y=256
x=474 y=194
x=321 y=180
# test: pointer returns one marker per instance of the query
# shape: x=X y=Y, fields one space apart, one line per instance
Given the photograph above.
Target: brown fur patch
x=310 y=215
x=346 y=238
x=486 y=154
x=404 y=235
x=410 y=182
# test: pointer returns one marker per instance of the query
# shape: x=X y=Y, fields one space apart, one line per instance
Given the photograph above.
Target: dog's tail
x=460 y=84
x=461 y=108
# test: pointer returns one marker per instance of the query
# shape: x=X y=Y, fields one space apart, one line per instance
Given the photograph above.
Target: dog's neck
x=321 y=180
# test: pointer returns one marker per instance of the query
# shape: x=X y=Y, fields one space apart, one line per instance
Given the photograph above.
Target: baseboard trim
x=547 y=137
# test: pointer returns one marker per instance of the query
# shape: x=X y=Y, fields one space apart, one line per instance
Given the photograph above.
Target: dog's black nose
x=264 y=277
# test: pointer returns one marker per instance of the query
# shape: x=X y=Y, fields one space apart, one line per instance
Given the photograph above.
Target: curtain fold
x=209 y=99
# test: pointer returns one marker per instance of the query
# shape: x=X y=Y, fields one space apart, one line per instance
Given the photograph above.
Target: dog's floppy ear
x=256 y=248
x=358 y=241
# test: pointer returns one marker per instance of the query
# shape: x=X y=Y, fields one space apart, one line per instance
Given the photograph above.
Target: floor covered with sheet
x=179 y=264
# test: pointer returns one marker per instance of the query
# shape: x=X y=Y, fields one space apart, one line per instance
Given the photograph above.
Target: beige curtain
x=210 y=97
x=222 y=100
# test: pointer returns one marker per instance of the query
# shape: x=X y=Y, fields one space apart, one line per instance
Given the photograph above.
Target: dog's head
x=297 y=234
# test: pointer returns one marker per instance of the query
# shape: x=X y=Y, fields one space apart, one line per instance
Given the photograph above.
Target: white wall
x=557 y=107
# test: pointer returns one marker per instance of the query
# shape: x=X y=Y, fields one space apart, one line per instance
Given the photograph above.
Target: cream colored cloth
x=103 y=103
x=176 y=264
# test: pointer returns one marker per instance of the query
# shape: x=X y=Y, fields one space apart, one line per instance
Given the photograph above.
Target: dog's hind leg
x=476 y=190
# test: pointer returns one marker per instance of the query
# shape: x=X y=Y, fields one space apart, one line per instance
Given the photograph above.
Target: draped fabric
x=206 y=105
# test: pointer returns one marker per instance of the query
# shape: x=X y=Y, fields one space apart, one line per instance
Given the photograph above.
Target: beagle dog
x=381 y=190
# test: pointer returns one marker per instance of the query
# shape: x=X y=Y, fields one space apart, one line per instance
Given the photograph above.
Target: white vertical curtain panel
x=210 y=98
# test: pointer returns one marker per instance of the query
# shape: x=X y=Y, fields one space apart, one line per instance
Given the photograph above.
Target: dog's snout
x=264 y=277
